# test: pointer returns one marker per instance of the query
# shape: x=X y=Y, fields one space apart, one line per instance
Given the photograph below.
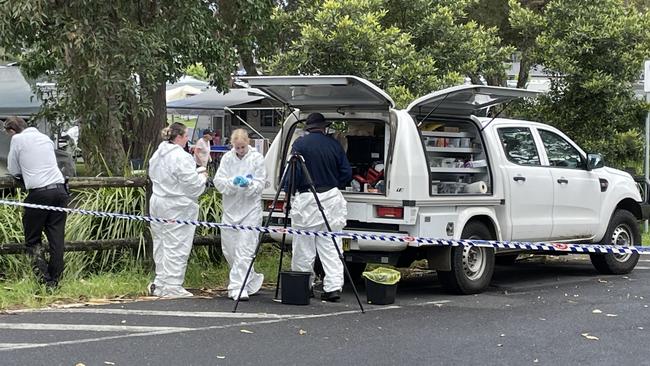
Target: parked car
x=438 y=169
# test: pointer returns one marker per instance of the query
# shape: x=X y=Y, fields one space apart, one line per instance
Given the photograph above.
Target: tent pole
x=244 y=122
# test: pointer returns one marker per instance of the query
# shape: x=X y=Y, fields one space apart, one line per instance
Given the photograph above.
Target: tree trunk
x=145 y=131
x=101 y=143
x=247 y=60
x=524 y=69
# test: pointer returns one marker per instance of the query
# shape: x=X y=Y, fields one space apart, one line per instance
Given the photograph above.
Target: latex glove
x=238 y=180
x=244 y=183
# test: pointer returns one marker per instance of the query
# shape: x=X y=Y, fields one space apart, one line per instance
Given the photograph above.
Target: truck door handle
x=563 y=181
x=519 y=178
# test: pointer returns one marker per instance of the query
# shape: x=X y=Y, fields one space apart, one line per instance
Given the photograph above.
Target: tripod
x=290 y=170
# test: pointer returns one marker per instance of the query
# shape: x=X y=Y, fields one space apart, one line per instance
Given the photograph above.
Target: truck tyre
x=623 y=229
x=471 y=267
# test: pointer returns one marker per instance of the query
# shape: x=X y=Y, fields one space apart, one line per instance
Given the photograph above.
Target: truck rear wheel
x=471 y=267
x=623 y=229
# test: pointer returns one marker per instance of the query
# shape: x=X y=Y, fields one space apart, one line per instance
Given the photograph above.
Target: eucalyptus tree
x=111 y=60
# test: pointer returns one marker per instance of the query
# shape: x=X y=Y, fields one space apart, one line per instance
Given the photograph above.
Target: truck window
x=560 y=152
x=519 y=146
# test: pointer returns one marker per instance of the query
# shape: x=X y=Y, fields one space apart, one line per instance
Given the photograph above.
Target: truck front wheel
x=471 y=266
x=623 y=230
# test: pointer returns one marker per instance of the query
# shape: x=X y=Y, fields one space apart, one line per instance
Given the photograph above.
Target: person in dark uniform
x=32 y=158
x=330 y=170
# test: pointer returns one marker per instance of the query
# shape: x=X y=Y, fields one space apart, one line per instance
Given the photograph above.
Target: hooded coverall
x=241 y=206
x=176 y=189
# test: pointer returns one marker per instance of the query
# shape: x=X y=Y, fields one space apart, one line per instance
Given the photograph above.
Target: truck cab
x=442 y=169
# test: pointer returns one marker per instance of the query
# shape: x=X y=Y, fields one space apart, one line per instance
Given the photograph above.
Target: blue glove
x=238 y=180
x=245 y=182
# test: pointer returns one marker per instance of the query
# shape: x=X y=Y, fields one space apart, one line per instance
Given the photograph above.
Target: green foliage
x=441 y=29
x=594 y=50
x=197 y=71
x=347 y=37
x=110 y=61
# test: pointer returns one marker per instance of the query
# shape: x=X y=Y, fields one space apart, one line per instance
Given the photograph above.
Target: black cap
x=316 y=120
x=207 y=132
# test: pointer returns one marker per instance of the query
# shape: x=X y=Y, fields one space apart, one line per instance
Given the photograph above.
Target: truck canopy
x=465 y=100
x=323 y=93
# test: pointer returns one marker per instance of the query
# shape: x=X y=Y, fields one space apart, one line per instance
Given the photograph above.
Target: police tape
x=409 y=240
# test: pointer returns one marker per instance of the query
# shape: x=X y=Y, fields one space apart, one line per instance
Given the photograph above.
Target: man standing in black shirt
x=31 y=156
x=330 y=170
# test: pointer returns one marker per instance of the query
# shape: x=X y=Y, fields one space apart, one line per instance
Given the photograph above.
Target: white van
x=438 y=170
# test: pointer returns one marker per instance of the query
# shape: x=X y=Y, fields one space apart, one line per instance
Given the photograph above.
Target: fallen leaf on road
x=246 y=331
x=639 y=328
x=611 y=315
x=596 y=311
x=302 y=332
x=500 y=345
x=590 y=337
x=80 y=364
x=221 y=357
x=535 y=361
x=602 y=281
x=109 y=363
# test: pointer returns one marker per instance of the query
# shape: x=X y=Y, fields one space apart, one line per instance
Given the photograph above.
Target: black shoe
x=333 y=296
x=311 y=293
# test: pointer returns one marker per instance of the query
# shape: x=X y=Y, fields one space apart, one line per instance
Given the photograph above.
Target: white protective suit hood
x=173 y=172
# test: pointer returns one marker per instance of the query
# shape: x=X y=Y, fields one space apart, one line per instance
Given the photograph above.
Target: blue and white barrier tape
x=410 y=240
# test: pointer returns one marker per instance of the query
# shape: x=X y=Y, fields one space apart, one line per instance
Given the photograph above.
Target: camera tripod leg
x=259 y=242
x=310 y=182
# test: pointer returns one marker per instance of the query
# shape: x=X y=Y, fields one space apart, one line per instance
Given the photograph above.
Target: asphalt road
x=534 y=313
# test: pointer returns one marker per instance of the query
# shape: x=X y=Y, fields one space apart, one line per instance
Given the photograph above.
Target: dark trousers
x=35 y=221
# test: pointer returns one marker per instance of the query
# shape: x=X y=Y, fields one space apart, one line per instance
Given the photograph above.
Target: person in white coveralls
x=240 y=179
x=177 y=185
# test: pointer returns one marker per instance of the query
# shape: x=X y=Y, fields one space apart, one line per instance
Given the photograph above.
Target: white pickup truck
x=439 y=170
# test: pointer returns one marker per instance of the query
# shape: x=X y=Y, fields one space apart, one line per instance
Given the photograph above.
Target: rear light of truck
x=390 y=212
x=279 y=206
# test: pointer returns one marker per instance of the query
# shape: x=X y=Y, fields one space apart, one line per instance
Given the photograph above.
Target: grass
x=23 y=290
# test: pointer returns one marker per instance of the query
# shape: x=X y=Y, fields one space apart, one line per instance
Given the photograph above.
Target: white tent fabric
x=190 y=81
x=181 y=92
x=212 y=102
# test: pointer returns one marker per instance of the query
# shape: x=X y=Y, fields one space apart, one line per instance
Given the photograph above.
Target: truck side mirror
x=595 y=161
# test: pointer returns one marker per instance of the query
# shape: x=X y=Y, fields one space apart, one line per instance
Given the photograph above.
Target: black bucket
x=295 y=287
x=379 y=294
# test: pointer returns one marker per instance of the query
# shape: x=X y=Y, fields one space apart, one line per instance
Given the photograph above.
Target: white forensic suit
x=176 y=189
x=306 y=216
x=241 y=206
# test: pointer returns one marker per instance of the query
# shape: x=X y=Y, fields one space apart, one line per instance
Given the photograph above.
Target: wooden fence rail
x=7 y=182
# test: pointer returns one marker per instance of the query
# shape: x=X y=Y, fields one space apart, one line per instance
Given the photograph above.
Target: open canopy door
x=465 y=100
x=323 y=93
